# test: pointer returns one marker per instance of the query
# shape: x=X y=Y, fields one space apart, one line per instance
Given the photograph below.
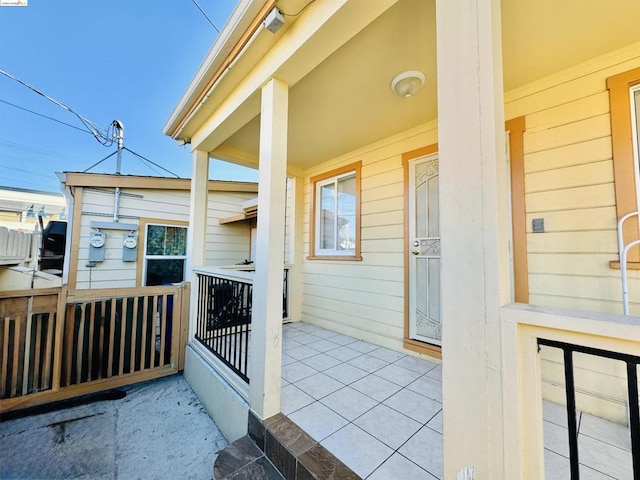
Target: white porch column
x=196 y=235
x=266 y=319
x=475 y=275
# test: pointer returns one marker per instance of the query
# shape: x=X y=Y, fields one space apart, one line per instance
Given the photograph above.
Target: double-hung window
x=336 y=214
x=165 y=254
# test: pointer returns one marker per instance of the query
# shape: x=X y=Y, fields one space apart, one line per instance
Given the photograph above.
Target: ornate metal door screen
x=424 y=264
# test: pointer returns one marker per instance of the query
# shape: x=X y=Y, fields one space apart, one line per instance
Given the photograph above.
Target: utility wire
x=100 y=134
x=153 y=163
x=45 y=116
x=299 y=11
x=205 y=15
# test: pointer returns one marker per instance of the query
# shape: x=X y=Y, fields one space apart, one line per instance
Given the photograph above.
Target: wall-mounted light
x=274 y=20
x=406 y=84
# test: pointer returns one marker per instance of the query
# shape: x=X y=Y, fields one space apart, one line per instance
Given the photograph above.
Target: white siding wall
x=569 y=183
x=226 y=244
x=366 y=298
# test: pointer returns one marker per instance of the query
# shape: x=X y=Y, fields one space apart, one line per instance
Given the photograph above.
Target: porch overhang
x=339 y=57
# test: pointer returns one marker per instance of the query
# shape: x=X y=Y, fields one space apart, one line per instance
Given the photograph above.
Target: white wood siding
x=366 y=298
x=569 y=182
x=226 y=244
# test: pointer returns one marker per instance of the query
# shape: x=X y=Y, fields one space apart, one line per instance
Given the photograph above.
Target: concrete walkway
x=160 y=430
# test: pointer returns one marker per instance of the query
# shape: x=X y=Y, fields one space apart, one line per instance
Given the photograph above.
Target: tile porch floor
x=380 y=411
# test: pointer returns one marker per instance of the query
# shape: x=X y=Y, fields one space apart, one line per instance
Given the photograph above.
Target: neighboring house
x=378 y=183
x=21 y=211
x=140 y=238
x=20 y=208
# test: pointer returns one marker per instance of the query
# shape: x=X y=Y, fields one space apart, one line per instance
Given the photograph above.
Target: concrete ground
x=160 y=430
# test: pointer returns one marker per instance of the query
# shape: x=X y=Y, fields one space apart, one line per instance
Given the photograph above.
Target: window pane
x=175 y=241
x=155 y=239
x=327 y=216
x=163 y=240
x=161 y=272
x=347 y=213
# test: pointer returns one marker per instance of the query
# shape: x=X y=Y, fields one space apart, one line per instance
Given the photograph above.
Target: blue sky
x=129 y=60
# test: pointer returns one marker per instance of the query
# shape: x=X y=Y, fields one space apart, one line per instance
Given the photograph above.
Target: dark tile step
x=260 y=469
x=234 y=457
x=294 y=453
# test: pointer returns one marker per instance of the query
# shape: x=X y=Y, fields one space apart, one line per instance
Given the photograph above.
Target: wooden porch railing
x=57 y=344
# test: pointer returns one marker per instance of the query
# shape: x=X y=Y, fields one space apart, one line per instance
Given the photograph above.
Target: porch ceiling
x=346 y=102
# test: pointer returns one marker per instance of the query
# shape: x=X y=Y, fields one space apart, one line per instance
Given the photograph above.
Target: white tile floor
x=377 y=410
x=380 y=411
x=604 y=448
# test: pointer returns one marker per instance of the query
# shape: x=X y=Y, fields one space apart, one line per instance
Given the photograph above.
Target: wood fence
x=15 y=247
x=58 y=343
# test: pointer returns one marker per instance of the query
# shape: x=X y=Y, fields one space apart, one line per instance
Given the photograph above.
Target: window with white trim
x=336 y=212
x=165 y=254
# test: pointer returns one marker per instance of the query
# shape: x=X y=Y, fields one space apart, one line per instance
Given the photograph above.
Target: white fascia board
x=240 y=19
x=356 y=15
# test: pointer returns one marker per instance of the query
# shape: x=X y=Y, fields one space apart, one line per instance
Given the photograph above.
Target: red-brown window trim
x=353 y=167
x=623 y=160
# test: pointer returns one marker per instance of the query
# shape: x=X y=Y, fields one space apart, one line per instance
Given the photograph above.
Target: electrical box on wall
x=130 y=247
x=96 y=247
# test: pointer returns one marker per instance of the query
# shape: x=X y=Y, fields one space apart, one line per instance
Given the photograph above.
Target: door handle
x=415 y=251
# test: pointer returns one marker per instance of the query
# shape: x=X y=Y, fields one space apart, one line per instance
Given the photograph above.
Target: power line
x=13 y=169
x=104 y=136
x=45 y=116
x=299 y=11
x=42 y=151
x=206 y=16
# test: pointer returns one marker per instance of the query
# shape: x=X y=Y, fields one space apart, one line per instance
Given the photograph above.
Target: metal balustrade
x=223 y=314
x=632 y=363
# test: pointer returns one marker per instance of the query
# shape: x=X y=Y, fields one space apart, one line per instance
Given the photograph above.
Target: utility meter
x=130 y=248
x=96 y=247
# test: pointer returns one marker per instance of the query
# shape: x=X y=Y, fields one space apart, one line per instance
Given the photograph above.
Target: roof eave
x=241 y=19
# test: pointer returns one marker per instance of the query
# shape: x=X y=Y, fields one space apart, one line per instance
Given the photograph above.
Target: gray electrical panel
x=96 y=247
x=130 y=247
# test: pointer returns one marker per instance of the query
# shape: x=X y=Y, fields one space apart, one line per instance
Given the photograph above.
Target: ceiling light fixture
x=406 y=84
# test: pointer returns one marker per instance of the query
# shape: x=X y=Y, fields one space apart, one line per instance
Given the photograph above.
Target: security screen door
x=424 y=251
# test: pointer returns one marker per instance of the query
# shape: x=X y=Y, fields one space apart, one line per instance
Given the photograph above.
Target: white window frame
x=146 y=257
x=333 y=252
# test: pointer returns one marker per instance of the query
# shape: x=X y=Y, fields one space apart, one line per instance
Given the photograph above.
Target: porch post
x=475 y=275
x=196 y=234
x=266 y=319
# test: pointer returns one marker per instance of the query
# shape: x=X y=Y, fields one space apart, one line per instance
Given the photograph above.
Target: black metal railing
x=224 y=319
x=285 y=288
x=285 y=294
x=632 y=363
